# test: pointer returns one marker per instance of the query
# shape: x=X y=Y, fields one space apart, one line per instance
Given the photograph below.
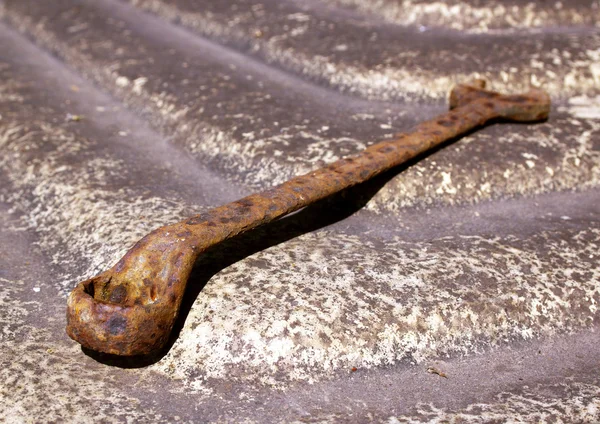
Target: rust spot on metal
x=445 y=123
x=118 y=294
x=131 y=308
x=245 y=203
x=184 y=234
x=119 y=266
x=117 y=325
x=386 y=149
x=519 y=99
x=198 y=219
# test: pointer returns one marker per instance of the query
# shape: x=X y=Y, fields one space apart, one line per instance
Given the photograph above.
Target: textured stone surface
x=479 y=260
x=479 y=15
x=370 y=58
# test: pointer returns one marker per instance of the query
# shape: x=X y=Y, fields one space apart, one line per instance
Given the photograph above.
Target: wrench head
x=116 y=328
x=130 y=309
x=532 y=106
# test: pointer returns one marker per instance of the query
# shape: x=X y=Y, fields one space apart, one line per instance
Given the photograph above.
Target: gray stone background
x=481 y=260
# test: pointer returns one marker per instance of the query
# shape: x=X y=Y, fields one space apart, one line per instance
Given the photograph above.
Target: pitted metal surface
x=480 y=260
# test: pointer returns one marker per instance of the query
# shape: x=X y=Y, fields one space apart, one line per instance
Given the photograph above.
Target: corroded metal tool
x=131 y=308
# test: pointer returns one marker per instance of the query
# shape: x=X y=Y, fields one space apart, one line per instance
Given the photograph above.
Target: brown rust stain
x=131 y=308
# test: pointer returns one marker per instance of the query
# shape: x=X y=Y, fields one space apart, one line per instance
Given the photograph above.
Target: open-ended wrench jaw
x=532 y=106
x=131 y=309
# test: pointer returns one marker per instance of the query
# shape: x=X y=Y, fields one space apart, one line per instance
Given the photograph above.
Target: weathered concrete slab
x=481 y=260
x=417 y=58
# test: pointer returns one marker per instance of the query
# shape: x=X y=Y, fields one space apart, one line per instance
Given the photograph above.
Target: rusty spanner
x=131 y=308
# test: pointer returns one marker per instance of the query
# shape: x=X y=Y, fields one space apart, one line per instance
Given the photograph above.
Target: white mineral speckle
x=585 y=107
